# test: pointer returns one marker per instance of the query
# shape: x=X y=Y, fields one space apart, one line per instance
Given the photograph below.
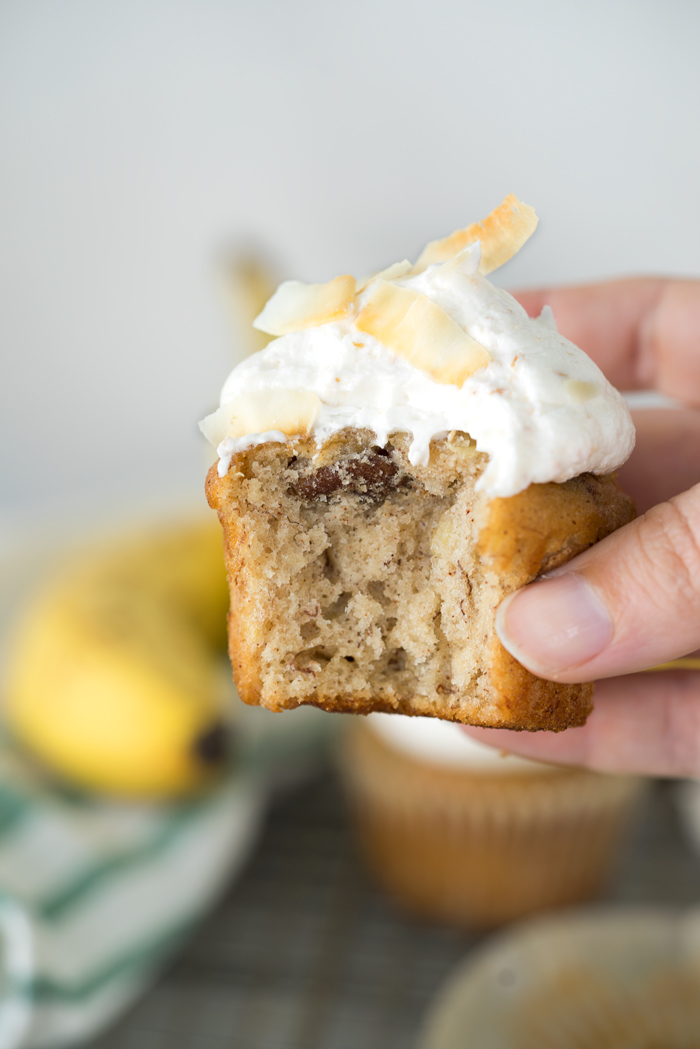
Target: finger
x=643 y=333
x=666 y=457
x=630 y=602
x=647 y=724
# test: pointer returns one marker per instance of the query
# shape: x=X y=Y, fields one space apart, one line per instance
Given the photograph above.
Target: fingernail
x=554 y=625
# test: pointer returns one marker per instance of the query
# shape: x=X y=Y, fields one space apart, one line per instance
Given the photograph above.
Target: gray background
x=138 y=137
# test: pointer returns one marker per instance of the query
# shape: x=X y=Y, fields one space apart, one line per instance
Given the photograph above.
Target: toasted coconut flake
x=296 y=305
x=502 y=234
x=417 y=329
x=393 y=272
x=467 y=261
x=290 y=411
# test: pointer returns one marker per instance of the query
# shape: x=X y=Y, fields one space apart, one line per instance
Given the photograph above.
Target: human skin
x=632 y=601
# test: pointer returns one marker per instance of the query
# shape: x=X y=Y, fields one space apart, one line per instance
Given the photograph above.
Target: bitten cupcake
x=411 y=449
x=461 y=833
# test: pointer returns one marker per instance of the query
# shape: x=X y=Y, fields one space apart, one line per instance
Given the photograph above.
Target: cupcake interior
x=377 y=588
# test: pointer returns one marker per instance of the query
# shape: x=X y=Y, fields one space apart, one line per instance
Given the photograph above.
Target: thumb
x=629 y=603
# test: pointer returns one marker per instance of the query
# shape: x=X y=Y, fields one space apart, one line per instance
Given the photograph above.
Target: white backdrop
x=138 y=136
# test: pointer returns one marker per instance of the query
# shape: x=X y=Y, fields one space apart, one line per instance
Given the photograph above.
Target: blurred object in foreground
x=109 y=890
x=246 y=284
x=459 y=833
x=603 y=979
x=114 y=675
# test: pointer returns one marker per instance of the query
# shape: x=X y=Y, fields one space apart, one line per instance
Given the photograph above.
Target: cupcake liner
x=479 y=849
x=601 y=979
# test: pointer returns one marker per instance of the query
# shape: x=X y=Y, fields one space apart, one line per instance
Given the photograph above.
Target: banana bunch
x=115 y=674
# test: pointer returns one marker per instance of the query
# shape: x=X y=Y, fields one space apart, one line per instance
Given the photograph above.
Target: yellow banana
x=114 y=678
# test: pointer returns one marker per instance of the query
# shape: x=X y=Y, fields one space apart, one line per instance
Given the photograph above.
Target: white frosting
x=541 y=409
x=447 y=745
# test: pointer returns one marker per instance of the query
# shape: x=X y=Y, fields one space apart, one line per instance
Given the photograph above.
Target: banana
x=246 y=283
x=114 y=675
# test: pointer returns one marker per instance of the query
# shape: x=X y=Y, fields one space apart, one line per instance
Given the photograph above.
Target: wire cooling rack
x=306 y=953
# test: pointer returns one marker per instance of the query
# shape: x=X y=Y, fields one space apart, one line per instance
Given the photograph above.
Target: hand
x=632 y=601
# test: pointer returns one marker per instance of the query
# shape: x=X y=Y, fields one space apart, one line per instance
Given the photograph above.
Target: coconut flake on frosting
x=296 y=305
x=414 y=327
x=501 y=236
x=533 y=402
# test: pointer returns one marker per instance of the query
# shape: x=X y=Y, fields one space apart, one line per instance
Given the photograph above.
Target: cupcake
x=464 y=834
x=603 y=979
x=411 y=449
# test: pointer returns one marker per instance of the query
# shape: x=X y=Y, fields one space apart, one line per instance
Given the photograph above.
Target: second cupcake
x=460 y=833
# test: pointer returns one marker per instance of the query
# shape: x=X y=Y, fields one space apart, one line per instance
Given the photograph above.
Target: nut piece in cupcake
x=410 y=451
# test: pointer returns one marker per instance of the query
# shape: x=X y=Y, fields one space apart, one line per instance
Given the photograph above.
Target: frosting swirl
x=540 y=408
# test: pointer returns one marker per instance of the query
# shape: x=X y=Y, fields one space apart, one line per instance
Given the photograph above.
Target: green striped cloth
x=95 y=894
